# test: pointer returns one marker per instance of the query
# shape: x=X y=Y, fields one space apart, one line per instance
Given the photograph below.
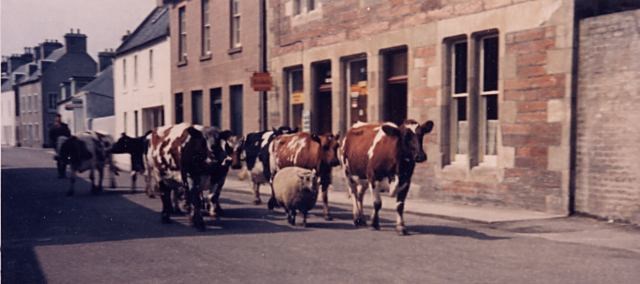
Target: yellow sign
x=297 y=98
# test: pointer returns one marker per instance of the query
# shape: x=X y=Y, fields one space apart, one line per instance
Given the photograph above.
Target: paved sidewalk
x=415 y=206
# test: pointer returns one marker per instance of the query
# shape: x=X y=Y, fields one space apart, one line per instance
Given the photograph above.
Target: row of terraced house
x=533 y=100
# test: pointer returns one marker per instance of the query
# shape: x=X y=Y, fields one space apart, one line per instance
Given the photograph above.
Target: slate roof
x=6 y=86
x=54 y=56
x=154 y=26
x=102 y=84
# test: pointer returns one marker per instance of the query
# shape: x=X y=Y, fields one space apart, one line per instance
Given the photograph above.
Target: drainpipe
x=263 y=62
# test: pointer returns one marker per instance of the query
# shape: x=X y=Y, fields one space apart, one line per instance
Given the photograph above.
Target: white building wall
x=145 y=93
x=8 y=118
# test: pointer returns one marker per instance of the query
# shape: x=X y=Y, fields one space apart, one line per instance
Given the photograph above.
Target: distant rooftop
x=154 y=26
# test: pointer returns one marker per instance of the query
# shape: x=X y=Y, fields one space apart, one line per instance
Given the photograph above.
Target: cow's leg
x=112 y=174
x=92 y=178
x=195 y=192
x=165 y=196
x=149 y=184
x=215 y=199
x=178 y=195
x=325 y=201
x=362 y=188
x=304 y=219
x=403 y=190
x=256 y=193
x=377 y=204
x=72 y=181
x=272 y=200
x=100 y=176
x=134 y=177
x=353 y=194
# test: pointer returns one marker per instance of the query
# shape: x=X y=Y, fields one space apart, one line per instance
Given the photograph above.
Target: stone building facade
x=214 y=51
x=495 y=76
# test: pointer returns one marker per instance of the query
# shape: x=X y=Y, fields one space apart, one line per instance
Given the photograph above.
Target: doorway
x=322 y=111
x=394 y=96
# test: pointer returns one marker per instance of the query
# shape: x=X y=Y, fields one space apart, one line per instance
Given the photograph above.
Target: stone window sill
x=234 y=50
x=182 y=62
x=205 y=57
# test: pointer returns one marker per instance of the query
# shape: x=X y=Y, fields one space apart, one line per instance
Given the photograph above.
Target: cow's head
x=410 y=135
x=236 y=144
x=220 y=145
x=329 y=145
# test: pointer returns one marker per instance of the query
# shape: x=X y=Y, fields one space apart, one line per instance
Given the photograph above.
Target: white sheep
x=296 y=189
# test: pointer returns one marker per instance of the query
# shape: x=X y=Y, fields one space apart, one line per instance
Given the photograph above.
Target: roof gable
x=153 y=27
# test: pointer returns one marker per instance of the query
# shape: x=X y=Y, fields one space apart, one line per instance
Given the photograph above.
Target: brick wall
x=608 y=134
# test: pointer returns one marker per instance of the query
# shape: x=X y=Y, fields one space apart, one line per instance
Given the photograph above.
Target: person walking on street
x=58 y=130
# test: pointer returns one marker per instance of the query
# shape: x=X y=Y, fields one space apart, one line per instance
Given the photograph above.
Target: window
x=489 y=93
x=295 y=89
x=124 y=73
x=215 y=107
x=459 y=98
x=206 y=29
x=53 y=101
x=235 y=97
x=182 y=35
x=196 y=107
x=135 y=70
x=311 y=5
x=235 y=23
x=297 y=7
x=473 y=105
x=356 y=99
x=178 y=108
x=150 y=65
x=152 y=118
x=135 y=123
x=125 y=123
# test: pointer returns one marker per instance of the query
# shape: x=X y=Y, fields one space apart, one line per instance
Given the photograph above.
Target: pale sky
x=29 y=22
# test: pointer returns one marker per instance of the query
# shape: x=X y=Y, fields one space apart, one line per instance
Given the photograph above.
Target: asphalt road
x=118 y=237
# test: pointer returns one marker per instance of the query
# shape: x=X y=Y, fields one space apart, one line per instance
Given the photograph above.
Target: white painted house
x=8 y=114
x=142 y=78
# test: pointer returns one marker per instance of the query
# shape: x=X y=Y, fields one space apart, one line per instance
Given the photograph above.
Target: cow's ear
x=337 y=136
x=426 y=127
x=224 y=135
x=315 y=137
x=123 y=134
x=391 y=131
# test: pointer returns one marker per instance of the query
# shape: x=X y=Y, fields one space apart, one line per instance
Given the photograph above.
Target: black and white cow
x=136 y=147
x=193 y=157
x=255 y=144
x=91 y=151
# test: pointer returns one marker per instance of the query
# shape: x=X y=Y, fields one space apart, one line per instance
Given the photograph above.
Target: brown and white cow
x=307 y=151
x=89 y=150
x=190 y=157
x=378 y=156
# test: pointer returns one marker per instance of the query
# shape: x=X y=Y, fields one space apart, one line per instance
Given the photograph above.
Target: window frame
x=182 y=35
x=135 y=70
x=235 y=31
x=205 y=44
x=483 y=95
x=124 y=74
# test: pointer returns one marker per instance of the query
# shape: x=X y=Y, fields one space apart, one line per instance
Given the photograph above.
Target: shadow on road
x=36 y=212
x=451 y=231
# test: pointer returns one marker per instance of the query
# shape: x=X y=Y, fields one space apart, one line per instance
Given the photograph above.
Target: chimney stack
x=14 y=62
x=47 y=47
x=75 y=42
x=161 y=3
x=27 y=56
x=105 y=59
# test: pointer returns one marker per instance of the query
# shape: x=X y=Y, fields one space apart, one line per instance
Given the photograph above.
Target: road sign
x=261 y=81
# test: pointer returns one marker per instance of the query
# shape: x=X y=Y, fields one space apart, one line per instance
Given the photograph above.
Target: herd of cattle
x=187 y=165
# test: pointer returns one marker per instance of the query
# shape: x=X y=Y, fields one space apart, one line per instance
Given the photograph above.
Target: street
x=117 y=237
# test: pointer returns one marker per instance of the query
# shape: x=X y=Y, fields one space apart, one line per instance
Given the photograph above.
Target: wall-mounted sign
x=297 y=98
x=306 y=121
x=261 y=81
